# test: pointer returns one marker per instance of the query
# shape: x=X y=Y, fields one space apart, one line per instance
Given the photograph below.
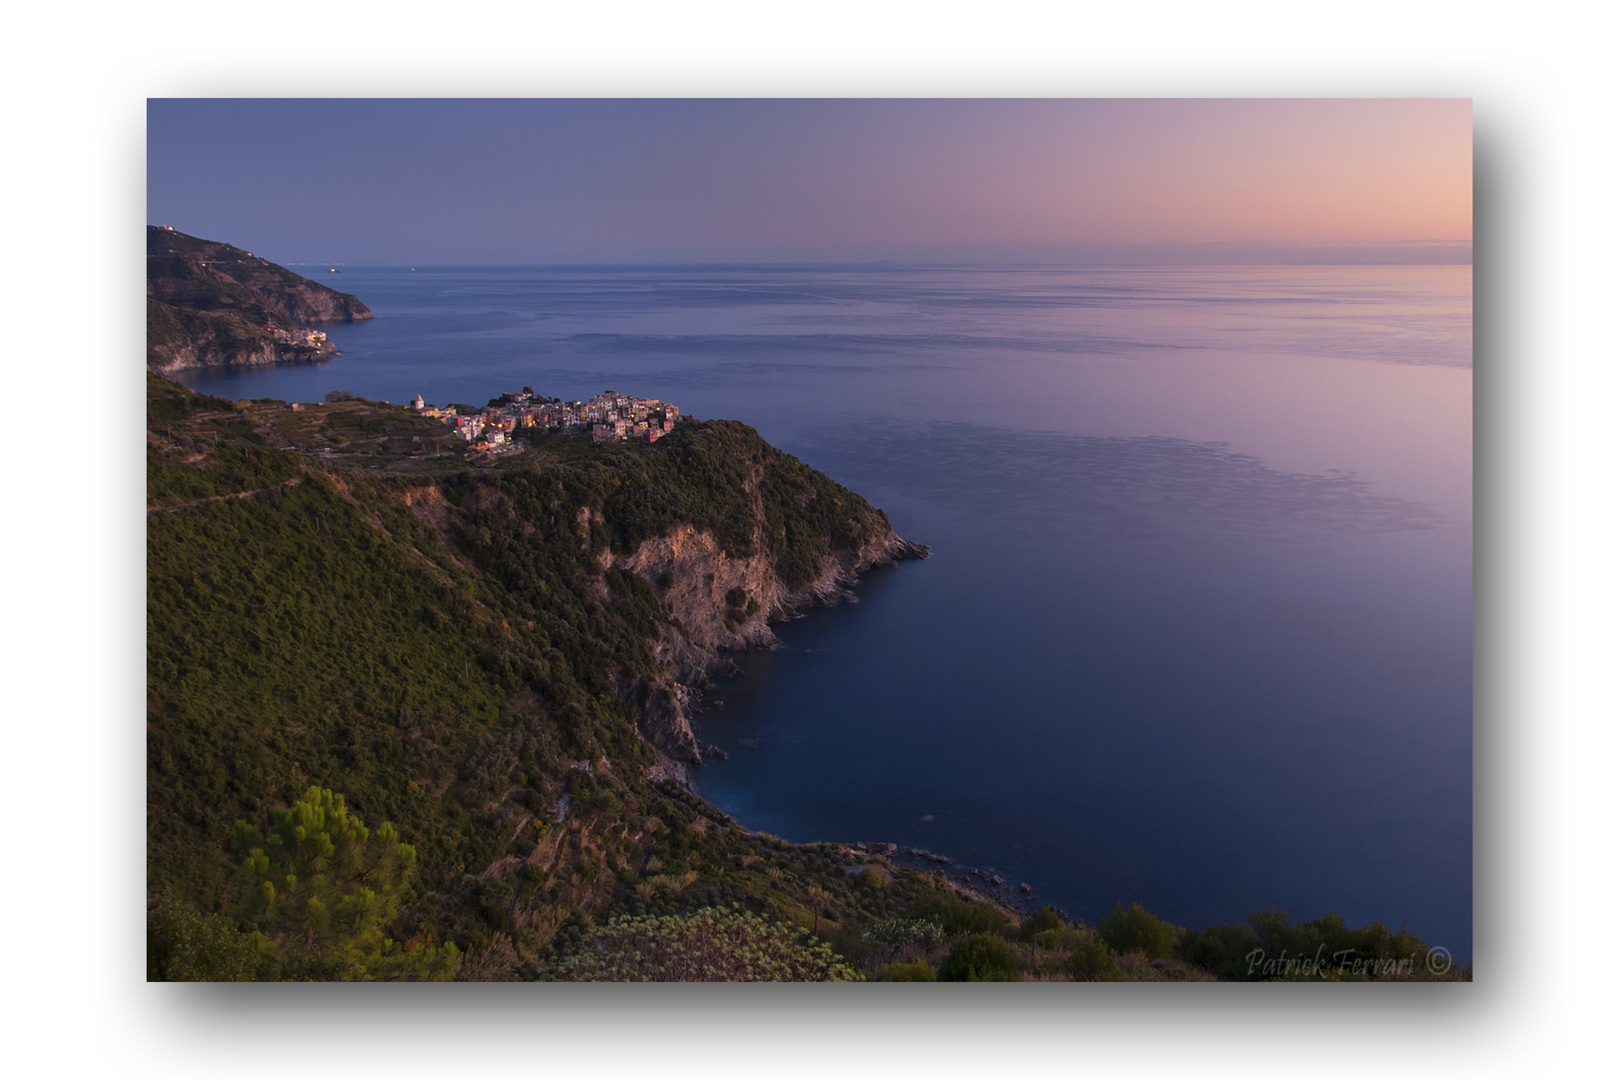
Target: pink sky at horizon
x=906 y=179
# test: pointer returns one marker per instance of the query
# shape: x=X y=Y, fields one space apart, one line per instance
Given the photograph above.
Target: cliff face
x=708 y=598
x=701 y=586
x=694 y=545
x=699 y=579
x=212 y=304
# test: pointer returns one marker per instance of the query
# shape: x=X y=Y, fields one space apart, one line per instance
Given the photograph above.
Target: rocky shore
x=971 y=883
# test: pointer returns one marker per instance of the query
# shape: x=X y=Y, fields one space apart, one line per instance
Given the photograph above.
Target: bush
x=711 y=945
x=1091 y=961
x=873 y=878
x=848 y=942
x=1134 y=929
x=912 y=971
x=184 y=945
x=1220 y=950
x=900 y=933
x=1042 y=921
x=957 y=916
x=981 y=958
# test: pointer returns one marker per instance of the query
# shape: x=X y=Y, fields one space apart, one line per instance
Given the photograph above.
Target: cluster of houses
x=609 y=417
x=299 y=338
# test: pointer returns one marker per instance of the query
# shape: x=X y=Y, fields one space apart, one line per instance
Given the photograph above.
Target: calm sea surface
x=1197 y=630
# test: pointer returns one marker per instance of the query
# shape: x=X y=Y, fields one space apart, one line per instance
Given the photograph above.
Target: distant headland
x=209 y=304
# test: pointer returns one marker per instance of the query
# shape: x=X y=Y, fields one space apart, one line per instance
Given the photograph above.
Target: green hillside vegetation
x=391 y=727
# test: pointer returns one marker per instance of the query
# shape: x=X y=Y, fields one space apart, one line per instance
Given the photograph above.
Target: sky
x=534 y=181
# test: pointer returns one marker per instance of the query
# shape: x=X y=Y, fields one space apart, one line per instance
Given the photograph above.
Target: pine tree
x=321 y=891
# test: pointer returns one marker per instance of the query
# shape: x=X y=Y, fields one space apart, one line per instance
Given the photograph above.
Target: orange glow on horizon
x=817 y=179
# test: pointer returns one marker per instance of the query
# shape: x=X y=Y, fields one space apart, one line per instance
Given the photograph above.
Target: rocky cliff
x=693 y=546
x=718 y=601
x=710 y=597
x=211 y=304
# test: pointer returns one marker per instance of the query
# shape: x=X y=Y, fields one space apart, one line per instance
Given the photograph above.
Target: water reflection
x=1113 y=491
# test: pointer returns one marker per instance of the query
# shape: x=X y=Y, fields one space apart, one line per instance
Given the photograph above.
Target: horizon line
x=891 y=264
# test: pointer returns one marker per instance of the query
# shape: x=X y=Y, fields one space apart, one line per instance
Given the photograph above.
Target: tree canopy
x=322 y=889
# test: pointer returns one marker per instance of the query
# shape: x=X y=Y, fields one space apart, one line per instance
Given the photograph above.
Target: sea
x=1196 y=630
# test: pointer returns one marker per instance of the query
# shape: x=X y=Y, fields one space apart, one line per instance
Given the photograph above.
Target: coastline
x=1424 y=896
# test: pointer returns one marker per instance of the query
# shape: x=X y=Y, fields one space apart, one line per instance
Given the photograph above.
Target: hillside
x=211 y=304
x=415 y=712
x=491 y=658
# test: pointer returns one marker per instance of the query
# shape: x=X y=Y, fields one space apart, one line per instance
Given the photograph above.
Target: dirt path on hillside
x=220 y=498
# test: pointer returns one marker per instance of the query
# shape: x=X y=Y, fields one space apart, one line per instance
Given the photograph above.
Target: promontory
x=209 y=304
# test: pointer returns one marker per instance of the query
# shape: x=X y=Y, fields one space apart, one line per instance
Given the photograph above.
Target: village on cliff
x=609 y=417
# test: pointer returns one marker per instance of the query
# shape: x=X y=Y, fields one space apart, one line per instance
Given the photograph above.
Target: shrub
x=957 y=916
x=1134 y=929
x=1091 y=961
x=1221 y=950
x=848 y=942
x=873 y=878
x=1043 y=920
x=184 y=945
x=899 y=933
x=711 y=945
x=981 y=958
